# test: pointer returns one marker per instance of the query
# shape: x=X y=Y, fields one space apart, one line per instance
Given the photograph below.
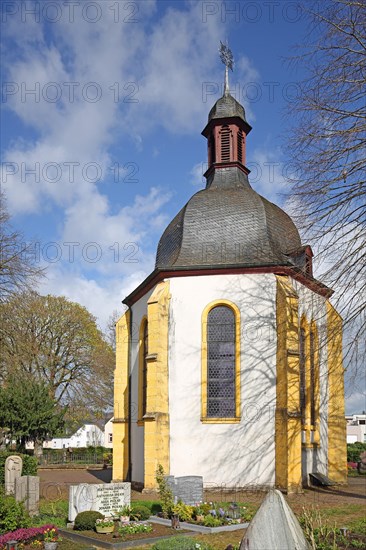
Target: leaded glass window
x=221 y=363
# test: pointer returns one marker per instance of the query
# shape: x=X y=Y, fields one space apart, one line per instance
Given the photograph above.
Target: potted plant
x=51 y=538
x=124 y=514
x=104 y=525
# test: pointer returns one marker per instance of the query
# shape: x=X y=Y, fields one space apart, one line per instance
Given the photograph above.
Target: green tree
x=327 y=148
x=29 y=412
x=57 y=341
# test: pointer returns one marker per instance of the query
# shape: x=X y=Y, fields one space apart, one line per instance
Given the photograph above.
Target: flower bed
x=25 y=535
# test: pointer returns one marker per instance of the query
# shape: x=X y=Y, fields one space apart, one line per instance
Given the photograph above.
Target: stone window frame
x=204 y=364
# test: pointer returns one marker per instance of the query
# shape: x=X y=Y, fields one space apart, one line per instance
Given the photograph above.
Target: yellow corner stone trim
x=337 y=447
x=156 y=430
x=316 y=389
x=140 y=420
x=204 y=418
x=288 y=417
x=121 y=405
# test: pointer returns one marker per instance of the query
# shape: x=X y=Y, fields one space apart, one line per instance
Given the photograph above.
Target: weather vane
x=226 y=56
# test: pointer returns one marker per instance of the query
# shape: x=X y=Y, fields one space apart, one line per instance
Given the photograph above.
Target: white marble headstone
x=13 y=470
x=107 y=498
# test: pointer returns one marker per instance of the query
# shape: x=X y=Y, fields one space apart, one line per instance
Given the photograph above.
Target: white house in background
x=108 y=434
x=356 y=428
x=88 y=435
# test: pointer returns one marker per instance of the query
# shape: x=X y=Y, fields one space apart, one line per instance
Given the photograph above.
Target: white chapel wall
x=239 y=453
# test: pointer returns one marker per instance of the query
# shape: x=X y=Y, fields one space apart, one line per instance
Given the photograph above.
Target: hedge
x=29 y=464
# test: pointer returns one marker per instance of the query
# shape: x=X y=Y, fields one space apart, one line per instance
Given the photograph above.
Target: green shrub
x=165 y=493
x=52 y=513
x=85 y=521
x=141 y=513
x=13 y=515
x=182 y=510
x=354 y=450
x=29 y=464
x=156 y=508
x=210 y=521
x=181 y=543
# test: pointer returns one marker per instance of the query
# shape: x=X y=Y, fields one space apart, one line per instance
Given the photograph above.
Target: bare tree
x=18 y=269
x=327 y=147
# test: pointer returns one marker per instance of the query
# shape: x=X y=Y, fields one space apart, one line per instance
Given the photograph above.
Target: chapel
x=229 y=354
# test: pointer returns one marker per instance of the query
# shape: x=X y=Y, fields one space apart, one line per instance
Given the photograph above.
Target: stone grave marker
x=188 y=489
x=106 y=498
x=13 y=470
x=27 y=490
x=361 y=465
x=274 y=526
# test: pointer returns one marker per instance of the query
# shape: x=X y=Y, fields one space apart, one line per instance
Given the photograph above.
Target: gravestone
x=361 y=465
x=274 y=526
x=106 y=498
x=13 y=470
x=27 y=490
x=188 y=489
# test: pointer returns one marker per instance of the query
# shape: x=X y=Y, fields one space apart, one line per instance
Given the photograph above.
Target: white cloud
x=356 y=403
x=196 y=174
x=101 y=299
x=266 y=175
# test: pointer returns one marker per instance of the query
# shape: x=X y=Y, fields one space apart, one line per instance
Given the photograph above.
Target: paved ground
x=55 y=484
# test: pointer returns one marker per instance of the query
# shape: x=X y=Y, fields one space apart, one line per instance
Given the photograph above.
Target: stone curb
x=200 y=528
x=97 y=543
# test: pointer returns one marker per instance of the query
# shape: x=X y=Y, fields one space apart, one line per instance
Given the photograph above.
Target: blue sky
x=103 y=106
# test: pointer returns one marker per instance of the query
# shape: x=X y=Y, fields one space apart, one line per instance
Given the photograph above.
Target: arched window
x=225 y=143
x=221 y=363
x=309 y=379
x=143 y=353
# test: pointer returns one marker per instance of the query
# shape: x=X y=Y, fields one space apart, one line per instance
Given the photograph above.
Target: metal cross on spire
x=226 y=56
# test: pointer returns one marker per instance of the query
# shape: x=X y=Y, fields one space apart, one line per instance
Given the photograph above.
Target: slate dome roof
x=228 y=224
x=227 y=106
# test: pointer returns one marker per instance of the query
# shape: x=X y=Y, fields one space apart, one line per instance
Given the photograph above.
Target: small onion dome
x=225 y=107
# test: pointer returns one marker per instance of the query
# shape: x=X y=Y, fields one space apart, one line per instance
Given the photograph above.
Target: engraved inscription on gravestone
x=188 y=489
x=13 y=470
x=107 y=498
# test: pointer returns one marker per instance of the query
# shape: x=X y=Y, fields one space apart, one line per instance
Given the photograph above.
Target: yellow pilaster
x=156 y=431
x=316 y=426
x=121 y=383
x=337 y=446
x=288 y=416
